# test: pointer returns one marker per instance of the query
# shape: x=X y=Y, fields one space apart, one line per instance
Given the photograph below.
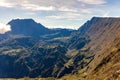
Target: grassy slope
x=105 y=44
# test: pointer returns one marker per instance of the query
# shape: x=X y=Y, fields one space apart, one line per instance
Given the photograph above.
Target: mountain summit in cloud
x=4 y=28
x=27 y=27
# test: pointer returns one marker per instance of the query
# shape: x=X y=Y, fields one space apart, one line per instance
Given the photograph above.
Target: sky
x=58 y=13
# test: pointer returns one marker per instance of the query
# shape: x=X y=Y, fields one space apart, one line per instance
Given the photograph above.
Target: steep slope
x=104 y=41
x=103 y=49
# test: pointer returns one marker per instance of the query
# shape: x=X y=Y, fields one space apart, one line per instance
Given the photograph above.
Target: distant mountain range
x=28 y=27
x=90 y=53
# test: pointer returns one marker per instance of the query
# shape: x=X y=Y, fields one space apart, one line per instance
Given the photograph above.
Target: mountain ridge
x=83 y=54
x=102 y=33
x=27 y=27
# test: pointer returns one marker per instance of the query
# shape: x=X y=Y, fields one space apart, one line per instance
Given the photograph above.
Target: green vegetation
x=91 y=53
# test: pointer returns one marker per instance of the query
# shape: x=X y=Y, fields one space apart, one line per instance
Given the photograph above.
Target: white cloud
x=4 y=3
x=69 y=16
x=93 y=1
x=55 y=17
x=72 y=15
x=51 y=5
x=86 y=10
x=25 y=4
x=30 y=13
x=34 y=7
x=77 y=19
x=67 y=9
x=50 y=12
x=64 y=26
x=4 y=28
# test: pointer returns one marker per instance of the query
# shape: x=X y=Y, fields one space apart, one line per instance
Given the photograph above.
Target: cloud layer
x=57 y=12
x=4 y=28
x=93 y=1
x=58 y=5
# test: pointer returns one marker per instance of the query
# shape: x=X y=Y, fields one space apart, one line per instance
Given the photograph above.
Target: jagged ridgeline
x=32 y=50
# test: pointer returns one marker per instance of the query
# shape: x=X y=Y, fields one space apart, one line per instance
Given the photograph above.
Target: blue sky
x=58 y=13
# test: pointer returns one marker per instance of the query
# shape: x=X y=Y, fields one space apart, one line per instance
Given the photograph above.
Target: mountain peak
x=27 y=27
x=97 y=22
x=26 y=21
x=29 y=19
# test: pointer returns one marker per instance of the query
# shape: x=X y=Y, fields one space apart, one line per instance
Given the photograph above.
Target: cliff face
x=104 y=45
x=102 y=32
x=104 y=35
